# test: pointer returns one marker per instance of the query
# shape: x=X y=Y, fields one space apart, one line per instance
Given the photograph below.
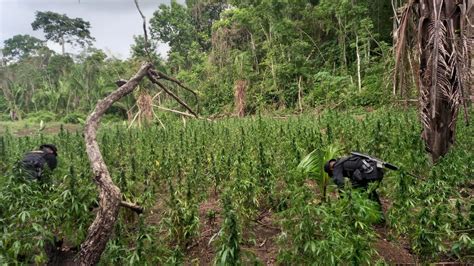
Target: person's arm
x=338 y=174
x=51 y=161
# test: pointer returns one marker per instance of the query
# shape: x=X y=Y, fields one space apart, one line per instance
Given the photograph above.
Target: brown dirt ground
x=201 y=252
x=260 y=239
x=393 y=252
x=262 y=231
x=265 y=233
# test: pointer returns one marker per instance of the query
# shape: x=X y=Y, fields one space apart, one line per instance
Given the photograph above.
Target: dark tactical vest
x=363 y=171
x=33 y=163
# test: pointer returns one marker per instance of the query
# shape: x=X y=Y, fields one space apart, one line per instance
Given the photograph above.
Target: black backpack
x=368 y=170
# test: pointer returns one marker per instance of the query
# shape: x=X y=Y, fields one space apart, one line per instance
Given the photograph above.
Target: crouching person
x=34 y=163
x=360 y=171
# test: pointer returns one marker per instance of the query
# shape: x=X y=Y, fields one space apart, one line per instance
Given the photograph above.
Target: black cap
x=327 y=166
x=50 y=146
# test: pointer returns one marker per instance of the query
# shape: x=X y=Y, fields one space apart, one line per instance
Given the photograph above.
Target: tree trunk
x=443 y=57
x=62 y=45
x=300 y=94
x=359 y=79
x=239 y=97
x=439 y=33
x=109 y=194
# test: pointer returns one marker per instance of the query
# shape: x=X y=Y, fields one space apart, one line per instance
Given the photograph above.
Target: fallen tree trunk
x=109 y=194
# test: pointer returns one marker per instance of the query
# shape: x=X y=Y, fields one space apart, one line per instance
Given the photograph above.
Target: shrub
x=45 y=116
x=74 y=118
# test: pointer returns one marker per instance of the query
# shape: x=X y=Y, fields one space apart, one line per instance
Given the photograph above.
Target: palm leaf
x=444 y=46
x=313 y=165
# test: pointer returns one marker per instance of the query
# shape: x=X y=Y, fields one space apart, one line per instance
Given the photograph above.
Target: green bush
x=74 y=118
x=5 y=117
x=39 y=116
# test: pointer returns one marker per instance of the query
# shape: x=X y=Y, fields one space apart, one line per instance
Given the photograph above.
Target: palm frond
x=313 y=165
x=445 y=50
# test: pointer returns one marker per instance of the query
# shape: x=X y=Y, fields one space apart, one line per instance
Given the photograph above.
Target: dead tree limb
x=134 y=207
x=147 y=44
x=161 y=75
x=173 y=111
x=154 y=79
x=109 y=194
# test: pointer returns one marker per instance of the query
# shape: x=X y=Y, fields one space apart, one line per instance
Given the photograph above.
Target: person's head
x=329 y=166
x=49 y=148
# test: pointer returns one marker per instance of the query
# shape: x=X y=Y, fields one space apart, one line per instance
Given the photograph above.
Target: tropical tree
x=440 y=31
x=21 y=46
x=62 y=29
x=138 y=50
x=203 y=15
x=172 y=24
x=186 y=27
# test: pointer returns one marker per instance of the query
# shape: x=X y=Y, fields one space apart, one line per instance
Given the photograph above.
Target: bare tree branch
x=134 y=207
x=161 y=75
x=147 y=44
x=151 y=76
x=173 y=111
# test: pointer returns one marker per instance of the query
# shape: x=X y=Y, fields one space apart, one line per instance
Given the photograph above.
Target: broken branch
x=173 y=111
x=134 y=207
x=147 y=44
x=162 y=75
x=154 y=80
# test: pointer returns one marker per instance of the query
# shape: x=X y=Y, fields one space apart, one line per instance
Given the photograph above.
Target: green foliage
x=293 y=56
x=74 y=118
x=44 y=116
x=171 y=172
x=59 y=66
x=288 y=58
x=139 y=48
x=173 y=25
x=181 y=218
x=313 y=164
x=228 y=252
x=35 y=210
x=56 y=83
x=331 y=232
x=62 y=29
x=330 y=88
x=21 y=46
x=185 y=28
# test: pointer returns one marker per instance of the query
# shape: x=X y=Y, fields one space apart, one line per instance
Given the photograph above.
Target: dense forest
x=289 y=57
x=221 y=144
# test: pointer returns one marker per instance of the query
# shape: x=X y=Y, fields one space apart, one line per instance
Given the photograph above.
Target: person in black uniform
x=34 y=162
x=360 y=171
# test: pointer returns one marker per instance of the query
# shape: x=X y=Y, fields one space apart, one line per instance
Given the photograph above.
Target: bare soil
x=202 y=252
x=265 y=233
x=392 y=252
x=259 y=237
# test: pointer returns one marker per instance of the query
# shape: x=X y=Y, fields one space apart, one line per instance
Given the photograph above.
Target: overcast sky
x=113 y=22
